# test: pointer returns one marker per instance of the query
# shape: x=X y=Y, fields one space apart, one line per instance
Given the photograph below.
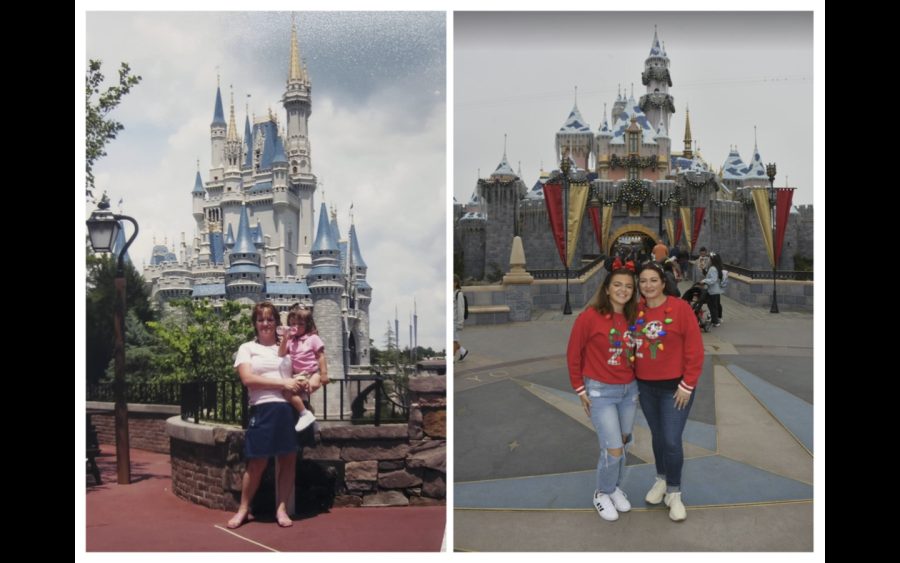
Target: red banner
x=783 y=201
x=553 y=200
x=595 y=221
x=678 y=228
x=698 y=222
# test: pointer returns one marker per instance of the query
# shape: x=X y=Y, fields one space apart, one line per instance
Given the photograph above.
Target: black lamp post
x=565 y=166
x=770 y=172
x=103 y=228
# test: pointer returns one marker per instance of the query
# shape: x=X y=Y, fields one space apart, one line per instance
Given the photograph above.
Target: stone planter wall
x=340 y=465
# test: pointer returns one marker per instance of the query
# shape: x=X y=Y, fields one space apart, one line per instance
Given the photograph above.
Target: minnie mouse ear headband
x=617 y=265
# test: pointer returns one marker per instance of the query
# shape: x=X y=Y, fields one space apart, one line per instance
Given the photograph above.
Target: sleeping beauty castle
x=637 y=187
x=257 y=237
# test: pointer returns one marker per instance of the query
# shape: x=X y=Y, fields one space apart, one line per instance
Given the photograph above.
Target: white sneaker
x=677 y=512
x=605 y=507
x=462 y=354
x=306 y=419
x=657 y=492
x=620 y=500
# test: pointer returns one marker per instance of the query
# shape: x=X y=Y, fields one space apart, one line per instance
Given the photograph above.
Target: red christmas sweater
x=600 y=348
x=668 y=344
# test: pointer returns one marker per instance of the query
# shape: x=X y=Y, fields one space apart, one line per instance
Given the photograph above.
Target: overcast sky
x=377 y=130
x=516 y=73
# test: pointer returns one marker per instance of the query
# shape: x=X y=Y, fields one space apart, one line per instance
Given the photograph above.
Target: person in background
x=660 y=251
x=713 y=282
x=459 y=317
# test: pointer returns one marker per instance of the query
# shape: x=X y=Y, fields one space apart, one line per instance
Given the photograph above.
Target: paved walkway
x=525 y=453
x=147 y=516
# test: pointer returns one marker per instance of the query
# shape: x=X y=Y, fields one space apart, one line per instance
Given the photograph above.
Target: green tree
x=100 y=305
x=199 y=341
x=100 y=129
x=142 y=347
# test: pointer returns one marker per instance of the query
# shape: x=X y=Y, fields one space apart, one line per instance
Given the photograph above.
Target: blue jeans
x=666 y=427
x=612 y=413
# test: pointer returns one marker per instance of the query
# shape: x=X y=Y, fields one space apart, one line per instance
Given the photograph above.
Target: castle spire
x=232 y=126
x=688 y=153
x=296 y=72
x=218 y=112
x=655 y=49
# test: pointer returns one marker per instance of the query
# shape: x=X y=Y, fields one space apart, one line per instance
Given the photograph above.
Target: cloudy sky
x=516 y=73
x=377 y=130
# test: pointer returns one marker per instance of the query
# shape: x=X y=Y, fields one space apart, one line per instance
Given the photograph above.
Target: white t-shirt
x=264 y=361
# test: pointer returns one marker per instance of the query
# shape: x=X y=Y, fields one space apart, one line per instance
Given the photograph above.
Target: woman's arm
x=692 y=364
x=575 y=353
x=251 y=380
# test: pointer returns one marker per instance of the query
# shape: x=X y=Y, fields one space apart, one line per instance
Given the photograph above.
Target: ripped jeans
x=612 y=413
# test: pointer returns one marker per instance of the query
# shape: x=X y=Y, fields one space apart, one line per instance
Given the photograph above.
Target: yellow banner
x=761 y=201
x=686 y=213
x=578 y=196
x=670 y=230
x=607 y=222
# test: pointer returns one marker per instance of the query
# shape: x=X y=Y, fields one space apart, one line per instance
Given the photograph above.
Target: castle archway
x=634 y=235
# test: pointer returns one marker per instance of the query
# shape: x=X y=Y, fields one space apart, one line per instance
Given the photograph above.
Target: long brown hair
x=602 y=303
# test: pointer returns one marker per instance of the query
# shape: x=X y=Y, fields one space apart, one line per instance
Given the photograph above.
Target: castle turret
x=755 y=173
x=601 y=147
x=619 y=105
x=575 y=135
x=503 y=172
x=198 y=195
x=326 y=284
x=657 y=103
x=361 y=298
x=244 y=280
x=297 y=102
x=217 y=133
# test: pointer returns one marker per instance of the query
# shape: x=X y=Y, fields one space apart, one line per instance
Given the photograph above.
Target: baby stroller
x=697 y=297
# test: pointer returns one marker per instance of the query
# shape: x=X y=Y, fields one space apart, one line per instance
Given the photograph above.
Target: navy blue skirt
x=270 y=431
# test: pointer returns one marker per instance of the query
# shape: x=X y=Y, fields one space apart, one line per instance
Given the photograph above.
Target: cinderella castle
x=639 y=180
x=255 y=238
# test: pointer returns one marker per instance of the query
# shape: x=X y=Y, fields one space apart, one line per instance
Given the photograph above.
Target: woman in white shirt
x=270 y=431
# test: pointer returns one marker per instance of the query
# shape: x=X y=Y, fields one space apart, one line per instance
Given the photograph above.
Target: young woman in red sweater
x=668 y=362
x=601 y=370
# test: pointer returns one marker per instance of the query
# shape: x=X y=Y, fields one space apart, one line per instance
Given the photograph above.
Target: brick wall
x=146 y=425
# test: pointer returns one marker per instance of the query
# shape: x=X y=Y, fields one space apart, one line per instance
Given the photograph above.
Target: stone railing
x=795 y=295
x=340 y=465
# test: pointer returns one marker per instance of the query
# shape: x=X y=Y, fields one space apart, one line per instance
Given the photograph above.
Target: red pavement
x=146 y=516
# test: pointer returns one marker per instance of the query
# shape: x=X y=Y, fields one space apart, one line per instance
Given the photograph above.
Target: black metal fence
x=561 y=274
x=142 y=393
x=362 y=400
